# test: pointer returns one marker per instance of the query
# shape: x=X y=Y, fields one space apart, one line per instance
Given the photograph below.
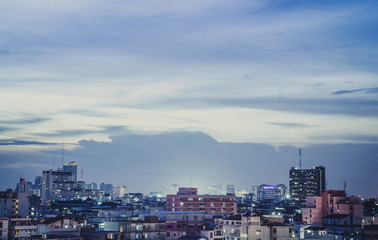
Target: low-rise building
x=151 y=228
x=4 y=222
x=187 y=199
x=22 y=228
x=14 y=204
x=212 y=231
x=330 y=202
x=58 y=225
x=344 y=226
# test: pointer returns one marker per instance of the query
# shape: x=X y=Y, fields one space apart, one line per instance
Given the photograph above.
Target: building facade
x=55 y=184
x=330 y=202
x=306 y=182
x=14 y=204
x=269 y=193
x=187 y=199
x=71 y=167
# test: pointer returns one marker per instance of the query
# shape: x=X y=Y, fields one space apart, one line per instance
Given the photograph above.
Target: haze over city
x=146 y=94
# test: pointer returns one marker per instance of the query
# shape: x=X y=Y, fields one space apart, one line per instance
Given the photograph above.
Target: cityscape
x=61 y=205
x=188 y=120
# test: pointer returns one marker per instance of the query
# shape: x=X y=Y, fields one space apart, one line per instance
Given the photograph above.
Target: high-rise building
x=55 y=183
x=271 y=193
x=306 y=182
x=107 y=188
x=38 y=183
x=91 y=186
x=71 y=167
x=119 y=192
x=23 y=186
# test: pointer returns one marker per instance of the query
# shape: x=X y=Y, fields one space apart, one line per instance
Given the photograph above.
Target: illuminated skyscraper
x=306 y=182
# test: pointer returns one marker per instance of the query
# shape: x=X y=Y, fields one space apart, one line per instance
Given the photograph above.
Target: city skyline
x=217 y=91
x=202 y=161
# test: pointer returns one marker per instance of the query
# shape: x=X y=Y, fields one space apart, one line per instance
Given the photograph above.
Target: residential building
x=4 y=223
x=370 y=232
x=255 y=227
x=55 y=185
x=344 y=226
x=151 y=228
x=187 y=199
x=188 y=223
x=14 y=204
x=330 y=202
x=22 y=228
x=212 y=231
x=58 y=225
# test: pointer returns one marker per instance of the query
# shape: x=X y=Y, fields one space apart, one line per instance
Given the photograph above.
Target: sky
x=159 y=92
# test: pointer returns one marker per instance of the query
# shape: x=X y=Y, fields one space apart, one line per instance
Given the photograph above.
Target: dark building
x=38 y=183
x=306 y=182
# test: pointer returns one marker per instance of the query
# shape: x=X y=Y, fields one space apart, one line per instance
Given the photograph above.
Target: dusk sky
x=149 y=93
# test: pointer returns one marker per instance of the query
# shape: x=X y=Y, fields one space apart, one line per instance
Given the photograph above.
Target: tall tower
x=306 y=182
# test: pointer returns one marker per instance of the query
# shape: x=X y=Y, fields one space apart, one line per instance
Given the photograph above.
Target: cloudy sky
x=141 y=84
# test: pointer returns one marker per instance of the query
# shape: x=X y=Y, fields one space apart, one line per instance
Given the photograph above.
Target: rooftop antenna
x=81 y=174
x=345 y=184
x=54 y=161
x=62 y=154
x=300 y=158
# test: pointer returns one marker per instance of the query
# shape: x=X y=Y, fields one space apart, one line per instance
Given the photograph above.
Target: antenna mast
x=300 y=158
x=62 y=153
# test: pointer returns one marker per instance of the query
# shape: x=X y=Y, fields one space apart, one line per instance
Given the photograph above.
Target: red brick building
x=187 y=199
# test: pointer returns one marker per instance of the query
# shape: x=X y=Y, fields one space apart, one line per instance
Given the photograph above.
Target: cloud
x=290 y=125
x=366 y=90
x=80 y=66
x=17 y=142
x=23 y=165
x=78 y=132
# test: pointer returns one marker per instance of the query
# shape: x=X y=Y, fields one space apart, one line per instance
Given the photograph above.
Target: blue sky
x=271 y=73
